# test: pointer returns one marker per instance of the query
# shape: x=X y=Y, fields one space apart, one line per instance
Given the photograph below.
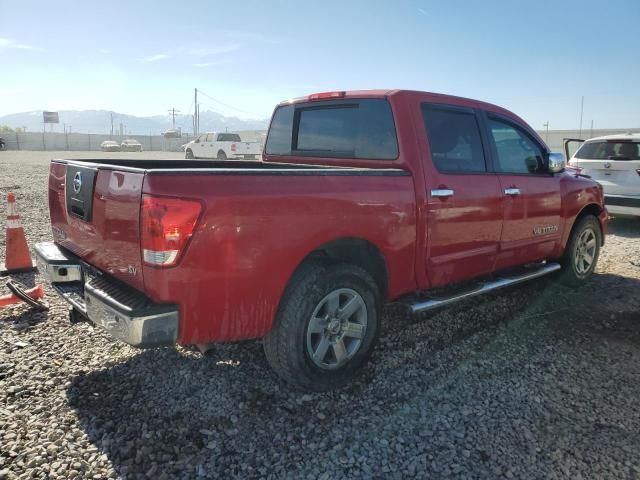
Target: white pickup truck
x=222 y=146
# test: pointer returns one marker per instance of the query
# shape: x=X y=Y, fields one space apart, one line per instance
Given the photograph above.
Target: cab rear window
x=362 y=129
x=608 y=150
x=228 y=137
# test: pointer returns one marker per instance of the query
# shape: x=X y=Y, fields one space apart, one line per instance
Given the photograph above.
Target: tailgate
x=248 y=148
x=614 y=162
x=95 y=213
x=618 y=177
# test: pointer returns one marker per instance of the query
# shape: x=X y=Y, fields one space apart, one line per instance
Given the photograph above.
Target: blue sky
x=536 y=58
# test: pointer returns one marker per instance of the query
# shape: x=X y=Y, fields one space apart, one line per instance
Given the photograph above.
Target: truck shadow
x=171 y=412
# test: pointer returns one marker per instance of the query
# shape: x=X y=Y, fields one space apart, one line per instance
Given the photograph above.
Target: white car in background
x=614 y=162
x=110 y=146
x=222 y=146
x=131 y=145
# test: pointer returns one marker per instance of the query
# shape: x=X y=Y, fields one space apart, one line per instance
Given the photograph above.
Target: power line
x=227 y=105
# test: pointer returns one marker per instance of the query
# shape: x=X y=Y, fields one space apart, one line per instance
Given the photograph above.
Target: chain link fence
x=85 y=141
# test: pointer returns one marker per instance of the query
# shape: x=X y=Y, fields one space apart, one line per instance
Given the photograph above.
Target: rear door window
x=609 y=150
x=454 y=139
x=361 y=129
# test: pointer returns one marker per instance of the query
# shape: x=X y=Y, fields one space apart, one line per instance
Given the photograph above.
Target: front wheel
x=326 y=326
x=583 y=249
x=189 y=154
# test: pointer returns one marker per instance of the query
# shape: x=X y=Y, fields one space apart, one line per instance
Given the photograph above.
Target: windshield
x=609 y=150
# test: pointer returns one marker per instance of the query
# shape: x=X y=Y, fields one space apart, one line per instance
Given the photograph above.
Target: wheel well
x=221 y=151
x=356 y=251
x=591 y=209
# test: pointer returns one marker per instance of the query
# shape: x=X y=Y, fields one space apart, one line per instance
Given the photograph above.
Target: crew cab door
x=464 y=215
x=531 y=198
x=209 y=146
x=198 y=146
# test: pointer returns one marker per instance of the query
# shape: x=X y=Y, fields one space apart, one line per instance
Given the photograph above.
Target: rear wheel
x=583 y=249
x=221 y=155
x=188 y=154
x=326 y=326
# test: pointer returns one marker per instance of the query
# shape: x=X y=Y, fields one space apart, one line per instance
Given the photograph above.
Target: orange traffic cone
x=35 y=293
x=17 y=257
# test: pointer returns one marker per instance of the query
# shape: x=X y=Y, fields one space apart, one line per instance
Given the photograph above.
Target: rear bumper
x=623 y=204
x=125 y=313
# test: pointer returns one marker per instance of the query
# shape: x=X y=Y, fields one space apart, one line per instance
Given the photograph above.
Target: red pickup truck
x=362 y=198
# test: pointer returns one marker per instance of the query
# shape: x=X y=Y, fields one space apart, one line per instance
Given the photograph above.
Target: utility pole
x=196 y=118
x=546 y=136
x=111 y=135
x=173 y=112
x=581 y=112
x=591 y=133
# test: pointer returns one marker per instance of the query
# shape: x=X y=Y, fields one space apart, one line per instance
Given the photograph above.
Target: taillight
x=166 y=226
x=233 y=147
x=324 y=95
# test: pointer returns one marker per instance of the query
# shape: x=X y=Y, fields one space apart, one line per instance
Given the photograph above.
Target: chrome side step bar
x=500 y=282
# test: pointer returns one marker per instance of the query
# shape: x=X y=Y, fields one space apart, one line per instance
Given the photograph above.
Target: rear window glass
x=609 y=151
x=279 y=139
x=228 y=137
x=361 y=129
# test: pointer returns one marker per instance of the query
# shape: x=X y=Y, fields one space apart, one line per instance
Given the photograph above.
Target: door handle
x=512 y=191
x=442 y=192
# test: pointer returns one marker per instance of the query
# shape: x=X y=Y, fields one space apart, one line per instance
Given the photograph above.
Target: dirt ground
x=537 y=381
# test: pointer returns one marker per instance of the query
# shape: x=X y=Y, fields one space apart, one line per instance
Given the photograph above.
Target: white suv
x=614 y=162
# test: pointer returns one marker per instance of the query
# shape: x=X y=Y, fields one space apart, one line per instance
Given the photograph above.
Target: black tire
x=573 y=271
x=189 y=154
x=288 y=343
x=221 y=155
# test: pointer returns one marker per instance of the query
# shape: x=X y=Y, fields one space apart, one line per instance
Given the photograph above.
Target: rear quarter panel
x=255 y=231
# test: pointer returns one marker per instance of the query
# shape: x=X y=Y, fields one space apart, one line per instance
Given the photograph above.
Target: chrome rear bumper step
x=494 y=284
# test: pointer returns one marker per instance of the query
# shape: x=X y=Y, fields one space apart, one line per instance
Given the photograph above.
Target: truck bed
x=228 y=167
x=257 y=224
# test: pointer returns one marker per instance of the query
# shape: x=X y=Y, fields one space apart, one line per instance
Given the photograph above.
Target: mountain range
x=99 y=121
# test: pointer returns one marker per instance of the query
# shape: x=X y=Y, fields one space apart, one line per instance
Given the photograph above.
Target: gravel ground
x=538 y=381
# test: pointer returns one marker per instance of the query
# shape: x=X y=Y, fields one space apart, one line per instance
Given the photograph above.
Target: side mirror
x=556 y=162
